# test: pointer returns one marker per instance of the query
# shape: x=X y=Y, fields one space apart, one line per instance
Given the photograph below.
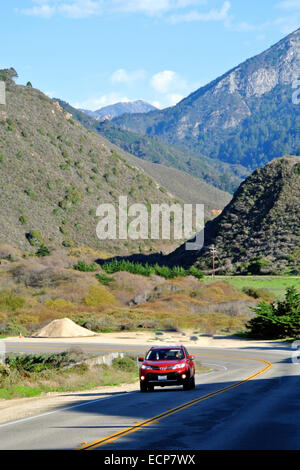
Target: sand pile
x=63 y=328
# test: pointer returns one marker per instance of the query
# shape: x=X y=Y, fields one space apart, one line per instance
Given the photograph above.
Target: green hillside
x=54 y=174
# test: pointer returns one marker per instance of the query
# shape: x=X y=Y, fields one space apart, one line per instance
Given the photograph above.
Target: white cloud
x=41 y=10
x=80 y=9
x=153 y=7
x=69 y=8
x=211 y=15
x=287 y=24
x=174 y=98
x=168 y=100
x=162 y=81
x=168 y=81
x=290 y=22
x=122 y=76
x=289 y=5
x=85 y=8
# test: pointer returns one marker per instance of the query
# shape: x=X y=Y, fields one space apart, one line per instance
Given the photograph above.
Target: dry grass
x=34 y=292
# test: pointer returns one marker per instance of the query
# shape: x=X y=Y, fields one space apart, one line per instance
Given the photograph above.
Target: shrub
x=85 y=267
x=22 y=219
x=125 y=363
x=10 y=301
x=98 y=296
x=145 y=270
x=34 y=237
x=279 y=319
x=38 y=362
x=30 y=193
x=104 y=279
x=43 y=251
x=258 y=293
x=59 y=305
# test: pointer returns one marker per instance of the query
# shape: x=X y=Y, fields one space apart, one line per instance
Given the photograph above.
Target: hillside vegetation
x=147 y=148
x=259 y=231
x=54 y=174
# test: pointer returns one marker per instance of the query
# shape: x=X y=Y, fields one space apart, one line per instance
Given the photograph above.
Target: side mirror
x=191 y=357
x=141 y=359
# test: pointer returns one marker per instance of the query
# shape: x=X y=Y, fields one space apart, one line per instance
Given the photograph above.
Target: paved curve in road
x=249 y=400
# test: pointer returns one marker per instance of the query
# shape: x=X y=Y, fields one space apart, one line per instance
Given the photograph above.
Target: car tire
x=143 y=387
x=192 y=383
x=187 y=385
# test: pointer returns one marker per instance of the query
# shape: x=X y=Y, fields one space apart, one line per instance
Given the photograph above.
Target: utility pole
x=213 y=252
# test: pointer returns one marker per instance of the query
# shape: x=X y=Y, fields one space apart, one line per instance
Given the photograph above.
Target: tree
x=7 y=75
x=280 y=319
x=29 y=84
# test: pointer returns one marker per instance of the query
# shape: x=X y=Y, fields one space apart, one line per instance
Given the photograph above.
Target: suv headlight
x=146 y=367
x=179 y=366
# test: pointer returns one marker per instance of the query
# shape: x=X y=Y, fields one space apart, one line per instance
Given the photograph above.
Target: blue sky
x=92 y=53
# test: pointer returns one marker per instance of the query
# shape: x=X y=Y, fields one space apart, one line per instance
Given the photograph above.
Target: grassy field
x=275 y=284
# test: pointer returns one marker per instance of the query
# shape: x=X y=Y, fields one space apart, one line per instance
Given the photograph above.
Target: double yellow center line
x=111 y=438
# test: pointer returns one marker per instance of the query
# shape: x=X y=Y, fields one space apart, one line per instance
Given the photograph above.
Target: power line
x=213 y=251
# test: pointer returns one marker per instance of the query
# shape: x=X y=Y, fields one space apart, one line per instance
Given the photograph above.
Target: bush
x=125 y=363
x=38 y=362
x=85 y=267
x=43 y=251
x=280 y=319
x=10 y=301
x=99 y=296
x=146 y=270
x=104 y=279
x=22 y=219
x=258 y=293
x=34 y=237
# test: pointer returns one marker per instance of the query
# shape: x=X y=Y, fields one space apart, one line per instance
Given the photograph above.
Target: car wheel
x=187 y=385
x=192 y=383
x=143 y=387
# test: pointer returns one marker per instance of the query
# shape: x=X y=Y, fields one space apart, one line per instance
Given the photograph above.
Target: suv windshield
x=165 y=355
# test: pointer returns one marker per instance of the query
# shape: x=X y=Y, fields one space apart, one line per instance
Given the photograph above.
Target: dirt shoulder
x=188 y=338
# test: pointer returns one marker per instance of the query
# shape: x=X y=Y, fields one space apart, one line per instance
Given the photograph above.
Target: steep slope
x=214 y=172
x=184 y=186
x=117 y=109
x=247 y=116
x=54 y=174
x=259 y=230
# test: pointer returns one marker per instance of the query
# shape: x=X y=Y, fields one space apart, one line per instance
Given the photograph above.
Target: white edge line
x=22 y=420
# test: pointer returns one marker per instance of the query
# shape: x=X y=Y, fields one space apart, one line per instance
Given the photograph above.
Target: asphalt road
x=249 y=400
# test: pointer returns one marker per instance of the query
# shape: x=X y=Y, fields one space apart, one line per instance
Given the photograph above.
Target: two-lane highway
x=249 y=400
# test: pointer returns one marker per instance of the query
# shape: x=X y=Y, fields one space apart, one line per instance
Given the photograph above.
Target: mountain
x=181 y=184
x=54 y=174
x=259 y=230
x=117 y=109
x=219 y=174
x=247 y=116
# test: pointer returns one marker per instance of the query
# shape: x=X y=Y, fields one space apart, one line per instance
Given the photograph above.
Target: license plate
x=162 y=377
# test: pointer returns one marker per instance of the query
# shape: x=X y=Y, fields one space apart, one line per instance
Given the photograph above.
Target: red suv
x=167 y=365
